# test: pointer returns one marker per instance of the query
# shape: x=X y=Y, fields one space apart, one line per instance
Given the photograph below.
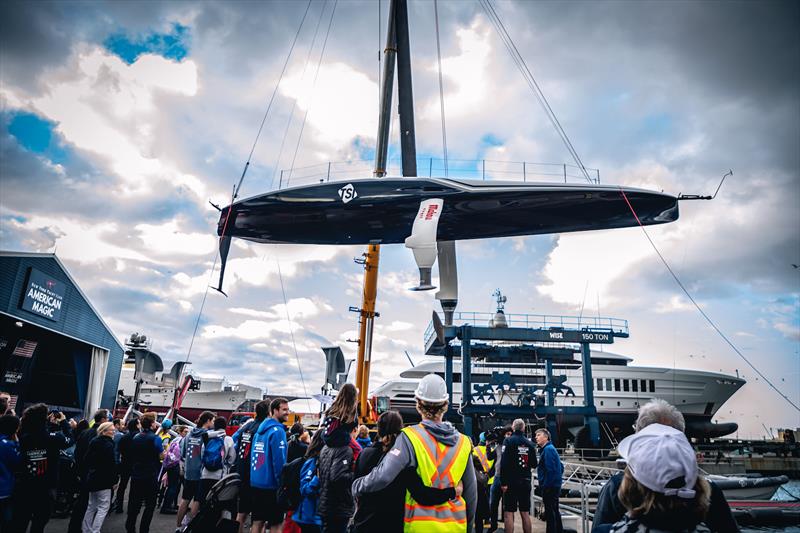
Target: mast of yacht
x=397 y=50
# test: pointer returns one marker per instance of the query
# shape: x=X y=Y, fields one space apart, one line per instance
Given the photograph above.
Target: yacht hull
x=382 y=211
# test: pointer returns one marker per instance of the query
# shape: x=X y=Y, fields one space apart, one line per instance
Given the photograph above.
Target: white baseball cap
x=662 y=459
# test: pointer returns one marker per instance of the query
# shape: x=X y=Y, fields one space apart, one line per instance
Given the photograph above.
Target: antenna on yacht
x=409 y=358
x=501 y=300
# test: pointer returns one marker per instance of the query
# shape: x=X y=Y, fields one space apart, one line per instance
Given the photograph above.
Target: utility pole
x=397 y=50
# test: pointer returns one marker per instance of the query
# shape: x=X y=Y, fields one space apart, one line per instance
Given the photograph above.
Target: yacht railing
x=617 y=326
x=480 y=169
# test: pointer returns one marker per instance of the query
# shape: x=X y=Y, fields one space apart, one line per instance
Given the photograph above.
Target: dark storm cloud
x=733 y=67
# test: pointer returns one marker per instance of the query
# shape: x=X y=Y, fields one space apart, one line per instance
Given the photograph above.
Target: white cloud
x=342 y=104
x=250 y=330
x=397 y=325
x=466 y=81
x=104 y=106
x=259 y=271
x=790 y=331
x=168 y=239
x=80 y=241
x=600 y=256
x=298 y=308
x=675 y=304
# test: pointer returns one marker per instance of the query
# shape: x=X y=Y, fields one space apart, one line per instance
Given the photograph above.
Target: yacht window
x=644 y=385
x=608 y=384
x=634 y=385
x=625 y=385
x=573 y=402
x=652 y=385
x=599 y=384
x=601 y=402
x=617 y=404
x=616 y=385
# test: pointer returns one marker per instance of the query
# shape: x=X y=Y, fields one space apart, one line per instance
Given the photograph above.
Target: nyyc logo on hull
x=347 y=193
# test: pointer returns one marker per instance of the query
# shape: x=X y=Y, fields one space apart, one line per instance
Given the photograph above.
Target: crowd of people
x=419 y=478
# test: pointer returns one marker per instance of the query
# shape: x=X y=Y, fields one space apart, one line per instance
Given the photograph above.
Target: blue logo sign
x=44 y=296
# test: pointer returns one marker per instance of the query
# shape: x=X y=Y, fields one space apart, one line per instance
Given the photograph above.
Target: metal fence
x=481 y=169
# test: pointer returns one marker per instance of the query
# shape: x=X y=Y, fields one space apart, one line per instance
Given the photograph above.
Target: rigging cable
x=241 y=179
x=294 y=103
x=319 y=64
x=441 y=85
x=699 y=309
x=269 y=106
x=291 y=332
x=528 y=75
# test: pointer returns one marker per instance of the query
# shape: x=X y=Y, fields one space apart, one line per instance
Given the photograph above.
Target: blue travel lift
x=500 y=343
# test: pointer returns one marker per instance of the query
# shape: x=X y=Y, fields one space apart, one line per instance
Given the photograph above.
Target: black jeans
x=495 y=496
x=552 y=515
x=142 y=491
x=119 y=497
x=78 y=510
x=335 y=526
x=32 y=502
x=173 y=486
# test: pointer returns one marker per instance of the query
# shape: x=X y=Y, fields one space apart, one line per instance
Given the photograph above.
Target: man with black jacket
x=36 y=483
x=146 y=452
x=81 y=447
x=124 y=451
x=517 y=460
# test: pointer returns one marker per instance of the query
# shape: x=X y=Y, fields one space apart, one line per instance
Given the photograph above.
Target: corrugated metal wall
x=78 y=319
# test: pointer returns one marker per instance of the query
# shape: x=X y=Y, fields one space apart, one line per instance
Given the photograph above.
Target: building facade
x=54 y=346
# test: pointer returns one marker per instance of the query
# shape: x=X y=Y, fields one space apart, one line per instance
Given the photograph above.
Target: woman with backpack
x=306 y=515
x=336 y=461
x=101 y=478
x=218 y=457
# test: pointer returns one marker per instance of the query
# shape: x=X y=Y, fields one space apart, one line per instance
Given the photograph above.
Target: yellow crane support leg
x=366 y=323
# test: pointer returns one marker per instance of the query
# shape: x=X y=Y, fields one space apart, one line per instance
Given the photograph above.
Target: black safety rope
x=519 y=61
x=697 y=306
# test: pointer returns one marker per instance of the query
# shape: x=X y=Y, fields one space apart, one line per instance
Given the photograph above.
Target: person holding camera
x=494 y=443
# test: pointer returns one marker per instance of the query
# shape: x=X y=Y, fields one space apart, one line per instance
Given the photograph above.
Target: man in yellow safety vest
x=442 y=458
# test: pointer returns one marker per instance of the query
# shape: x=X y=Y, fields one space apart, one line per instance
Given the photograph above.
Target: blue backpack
x=213 y=453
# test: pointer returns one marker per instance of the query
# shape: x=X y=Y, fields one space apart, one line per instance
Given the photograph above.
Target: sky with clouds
x=120 y=121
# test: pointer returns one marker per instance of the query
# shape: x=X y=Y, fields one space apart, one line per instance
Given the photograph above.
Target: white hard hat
x=431 y=389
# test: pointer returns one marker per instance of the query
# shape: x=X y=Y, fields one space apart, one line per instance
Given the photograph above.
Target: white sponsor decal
x=347 y=193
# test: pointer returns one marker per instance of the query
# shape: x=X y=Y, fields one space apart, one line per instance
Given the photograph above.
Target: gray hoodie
x=402 y=456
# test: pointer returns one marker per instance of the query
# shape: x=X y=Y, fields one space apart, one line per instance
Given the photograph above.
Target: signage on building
x=43 y=296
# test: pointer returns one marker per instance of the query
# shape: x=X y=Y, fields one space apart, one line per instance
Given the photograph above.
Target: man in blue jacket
x=146 y=454
x=267 y=457
x=549 y=474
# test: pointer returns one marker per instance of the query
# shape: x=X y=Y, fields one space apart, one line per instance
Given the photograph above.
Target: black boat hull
x=382 y=211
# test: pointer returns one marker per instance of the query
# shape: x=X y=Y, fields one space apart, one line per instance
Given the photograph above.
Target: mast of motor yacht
x=397 y=49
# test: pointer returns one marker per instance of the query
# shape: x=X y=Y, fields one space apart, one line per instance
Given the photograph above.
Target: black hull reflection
x=383 y=210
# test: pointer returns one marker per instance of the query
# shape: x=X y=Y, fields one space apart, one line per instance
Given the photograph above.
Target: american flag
x=24 y=348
